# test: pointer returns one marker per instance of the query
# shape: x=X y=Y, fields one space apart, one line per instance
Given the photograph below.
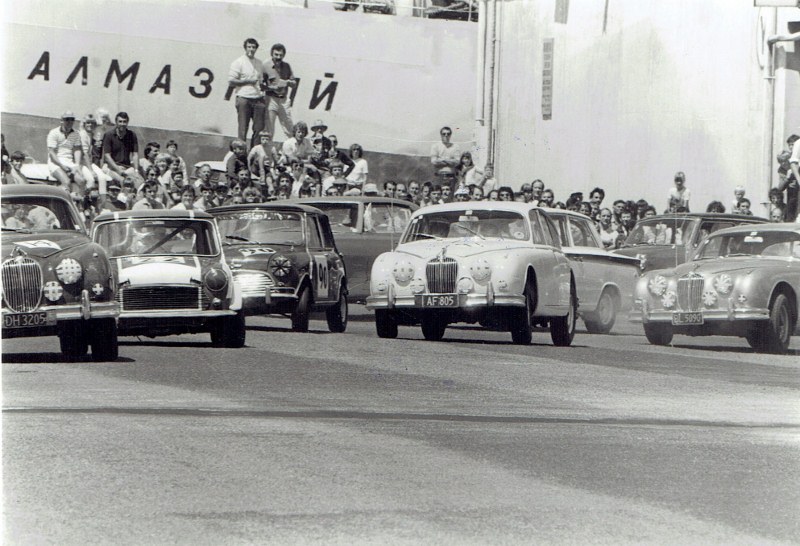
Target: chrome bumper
x=466 y=301
x=709 y=315
x=177 y=313
x=73 y=311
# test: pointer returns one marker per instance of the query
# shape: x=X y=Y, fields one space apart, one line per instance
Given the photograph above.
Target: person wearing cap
x=370 y=189
x=336 y=179
x=447 y=177
x=111 y=201
x=462 y=194
x=679 y=194
x=279 y=79
x=445 y=153
x=121 y=151
x=246 y=74
x=318 y=129
x=65 y=155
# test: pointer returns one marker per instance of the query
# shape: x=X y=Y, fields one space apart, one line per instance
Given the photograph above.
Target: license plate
x=437 y=300
x=682 y=319
x=25 y=320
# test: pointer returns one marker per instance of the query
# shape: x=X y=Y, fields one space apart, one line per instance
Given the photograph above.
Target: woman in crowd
x=608 y=232
x=467 y=173
x=360 y=172
x=505 y=193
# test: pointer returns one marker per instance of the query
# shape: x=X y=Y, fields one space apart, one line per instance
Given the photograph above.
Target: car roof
x=284 y=205
x=10 y=190
x=355 y=199
x=571 y=213
x=782 y=226
x=159 y=213
x=712 y=215
x=515 y=206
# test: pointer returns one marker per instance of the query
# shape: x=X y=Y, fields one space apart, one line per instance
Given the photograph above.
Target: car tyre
x=433 y=326
x=337 y=314
x=521 y=322
x=73 y=339
x=104 y=341
x=602 y=319
x=302 y=310
x=234 y=331
x=658 y=334
x=562 y=329
x=385 y=324
x=777 y=331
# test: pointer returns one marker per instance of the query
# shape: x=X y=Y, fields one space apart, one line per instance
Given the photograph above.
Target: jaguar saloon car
x=55 y=280
x=498 y=264
x=743 y=281
x=172 y=274
x=671 y=239
x=284 y=257
x=605 y=281
x=364 y=227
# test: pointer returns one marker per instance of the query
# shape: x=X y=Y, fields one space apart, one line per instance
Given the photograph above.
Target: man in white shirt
x=246 y=74
x=445 y=153
x=64 y=154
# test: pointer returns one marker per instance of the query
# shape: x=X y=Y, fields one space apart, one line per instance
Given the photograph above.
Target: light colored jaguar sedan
x=498 y=264
x=744 y=281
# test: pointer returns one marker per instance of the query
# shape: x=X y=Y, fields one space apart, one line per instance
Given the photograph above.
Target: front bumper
x=465 y=301
x=57 y=313
x=157 y=314
x=709 y=315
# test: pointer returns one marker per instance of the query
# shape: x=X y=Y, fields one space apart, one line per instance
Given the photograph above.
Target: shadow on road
x=728 y=349
x=53 y=358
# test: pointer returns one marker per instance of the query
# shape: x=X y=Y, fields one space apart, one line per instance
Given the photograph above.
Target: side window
x=582 y=233
x=312 y=233
x=707 y=228
x=563 y=229
x=325 y=232
x=536 y=228
x=551 y=227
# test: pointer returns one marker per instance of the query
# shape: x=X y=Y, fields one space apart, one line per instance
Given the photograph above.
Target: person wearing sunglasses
x=445 y=153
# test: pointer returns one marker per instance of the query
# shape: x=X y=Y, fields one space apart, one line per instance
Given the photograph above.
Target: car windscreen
x=39 y=213
x=143 y=236
x=261 y=227
x=343 y=217
x=751 y=243
x=660 y=231
x=457 y=224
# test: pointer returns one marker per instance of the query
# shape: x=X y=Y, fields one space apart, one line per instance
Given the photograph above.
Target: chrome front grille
x=690 y=292
x=22 y=284
x=147 y=298
x=442 y=275
x=254 y=284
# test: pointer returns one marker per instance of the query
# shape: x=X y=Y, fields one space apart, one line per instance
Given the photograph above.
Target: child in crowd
x=738 y=195
x=178 y=163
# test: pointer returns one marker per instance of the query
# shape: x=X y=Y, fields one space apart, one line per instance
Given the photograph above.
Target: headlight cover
x=215 y=280
x=280 y=266
x=657 y=285
x=53 y=291
x=669 y=299
x=403 y=271
x=480 y=270
x=709 y=298
x=723 y=284
x=69 y=271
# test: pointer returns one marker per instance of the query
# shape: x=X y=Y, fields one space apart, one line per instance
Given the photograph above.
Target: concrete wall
x=639 y=92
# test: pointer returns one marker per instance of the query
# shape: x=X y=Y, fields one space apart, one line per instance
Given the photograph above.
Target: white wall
x=669 y=85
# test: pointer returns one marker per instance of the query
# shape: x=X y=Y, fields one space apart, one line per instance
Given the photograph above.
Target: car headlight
x=280 y=266
x=69 y=271
x=642 y=261
x=403 y=271
x=417 y=286
x=215 y=280
x=723 y=284
x=465 y=285
x=53 y=291
x=480 y=270
x=709 y=298
x=657 y=285
x=669 y=299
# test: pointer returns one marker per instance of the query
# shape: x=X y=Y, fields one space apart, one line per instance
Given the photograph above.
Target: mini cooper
x=285 y=259
x=605 y=280
x=495 y=263
x=172 y=274
x=55 y=280
x=743 y=281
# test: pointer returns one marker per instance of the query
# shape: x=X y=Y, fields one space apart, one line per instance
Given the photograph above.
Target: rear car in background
x=172 y=274
x=55 y=281
x=743 y=281
x=284 y=258
x=671 y=239
x=605 y=280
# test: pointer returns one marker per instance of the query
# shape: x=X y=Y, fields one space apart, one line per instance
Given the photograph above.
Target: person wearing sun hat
x=65 y=155
x=318 y=129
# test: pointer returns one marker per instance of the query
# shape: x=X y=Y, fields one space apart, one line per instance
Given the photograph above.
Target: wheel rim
x=343 y=308
x=782 y=323
x=605 y=310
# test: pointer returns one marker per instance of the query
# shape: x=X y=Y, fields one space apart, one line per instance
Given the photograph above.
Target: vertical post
x=769 y=25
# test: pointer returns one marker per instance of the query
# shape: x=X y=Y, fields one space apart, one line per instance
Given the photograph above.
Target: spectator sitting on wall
x=15 y=175
x=121 y=151
x=172 y=149
x=680 y=193
x=359 y=171
x=64 y=155
x=299 y=147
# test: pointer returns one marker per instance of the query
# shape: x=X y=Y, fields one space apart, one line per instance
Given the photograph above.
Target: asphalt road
x=351 y=439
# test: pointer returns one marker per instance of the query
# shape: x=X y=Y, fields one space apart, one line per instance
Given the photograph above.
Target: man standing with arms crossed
x=246 y=74
x=279 y=78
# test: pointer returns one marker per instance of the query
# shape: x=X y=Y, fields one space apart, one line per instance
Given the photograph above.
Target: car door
x=319 y=267
x=336 y=266
x=547 y=262
x=588 y=259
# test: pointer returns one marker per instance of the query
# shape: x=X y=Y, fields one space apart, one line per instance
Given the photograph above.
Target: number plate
x=437 y=300
x=25 y=320
x=683 y=319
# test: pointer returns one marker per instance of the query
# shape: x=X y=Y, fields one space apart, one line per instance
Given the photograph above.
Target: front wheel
x=103 y=338
x=433 y=326
x=777 y=331
x=302 y=310
x=521 y=323
x=658 y=334
x=337 y=314
x=73 y=339
x=385 y=324
x=602 y=319
x=562 y=329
